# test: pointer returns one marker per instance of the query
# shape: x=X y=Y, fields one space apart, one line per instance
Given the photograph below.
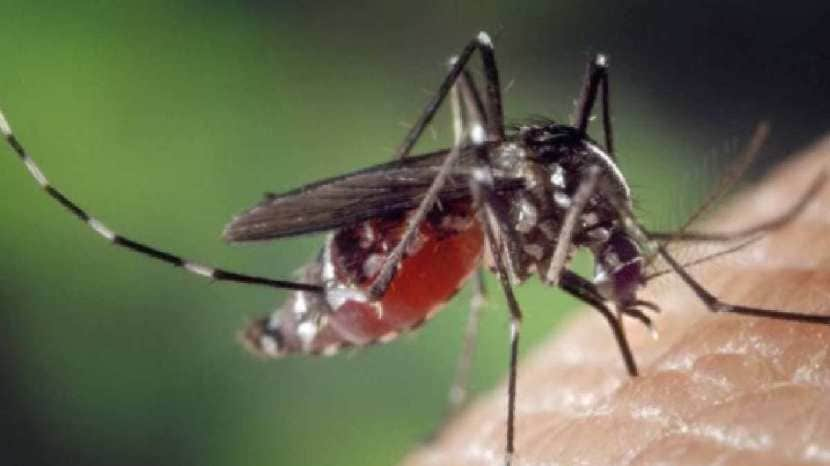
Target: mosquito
x=407 y=234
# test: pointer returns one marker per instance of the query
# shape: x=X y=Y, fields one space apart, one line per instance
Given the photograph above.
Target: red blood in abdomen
x=426 y=278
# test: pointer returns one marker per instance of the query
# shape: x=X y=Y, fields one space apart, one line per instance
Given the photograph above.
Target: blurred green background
x=166 y=118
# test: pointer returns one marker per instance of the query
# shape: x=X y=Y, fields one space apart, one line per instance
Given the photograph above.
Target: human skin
x=714 y=389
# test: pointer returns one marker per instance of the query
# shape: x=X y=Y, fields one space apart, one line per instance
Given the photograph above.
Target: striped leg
x=469 y=119
x=492 y=216
x=135 y=246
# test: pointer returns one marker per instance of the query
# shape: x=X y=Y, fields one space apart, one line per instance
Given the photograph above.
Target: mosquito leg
x=493 y=106
x=134 y=246
x=500 y=213
x=459 y=126
x=606 y=110
x=566 y=232
x=390 y=266
x=467 y=110
x=711 y=301
x=585 y=291
x=485 y=45
x=716 y=305
x=486 y=211
x=640 y=316
x=782 y=220
x=458 y=390
x=461 y=380
x=596 y=76
x=468 y=118
x=465 y=99
x=474 y=111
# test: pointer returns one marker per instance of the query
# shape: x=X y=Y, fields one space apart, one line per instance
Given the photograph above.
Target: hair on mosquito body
x=404 y=236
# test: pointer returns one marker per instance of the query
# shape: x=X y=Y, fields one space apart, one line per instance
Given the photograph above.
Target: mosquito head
x=619 y=269
x=550 y=141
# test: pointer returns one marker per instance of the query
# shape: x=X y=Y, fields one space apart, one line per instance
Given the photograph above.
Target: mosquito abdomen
x=444 y=254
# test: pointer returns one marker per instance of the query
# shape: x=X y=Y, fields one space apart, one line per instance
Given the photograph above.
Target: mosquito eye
x=623 y=247
x=627 y=279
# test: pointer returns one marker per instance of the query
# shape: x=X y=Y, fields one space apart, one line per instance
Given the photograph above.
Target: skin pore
x=714 y=390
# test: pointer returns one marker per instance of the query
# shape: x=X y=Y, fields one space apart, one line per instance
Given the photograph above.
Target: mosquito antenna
x=762 y=227
x=725 y=183
x=711 y=301
x=135 y=246
x=732 y=174
x=706 y=258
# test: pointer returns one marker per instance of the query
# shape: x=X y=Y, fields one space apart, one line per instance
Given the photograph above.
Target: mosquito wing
x=378 y=191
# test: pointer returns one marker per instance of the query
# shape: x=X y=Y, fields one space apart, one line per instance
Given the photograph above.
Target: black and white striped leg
x=492 y=104
x=566 y=231
x=596 y=80
x=135 y=246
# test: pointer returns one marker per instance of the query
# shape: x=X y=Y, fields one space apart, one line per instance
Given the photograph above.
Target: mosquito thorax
x=552 y=160
x=618 y=271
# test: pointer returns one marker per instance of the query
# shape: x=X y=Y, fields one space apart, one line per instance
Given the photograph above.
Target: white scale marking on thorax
x=612 y=168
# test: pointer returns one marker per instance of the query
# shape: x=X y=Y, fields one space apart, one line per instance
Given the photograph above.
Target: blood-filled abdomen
x=445 y=252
